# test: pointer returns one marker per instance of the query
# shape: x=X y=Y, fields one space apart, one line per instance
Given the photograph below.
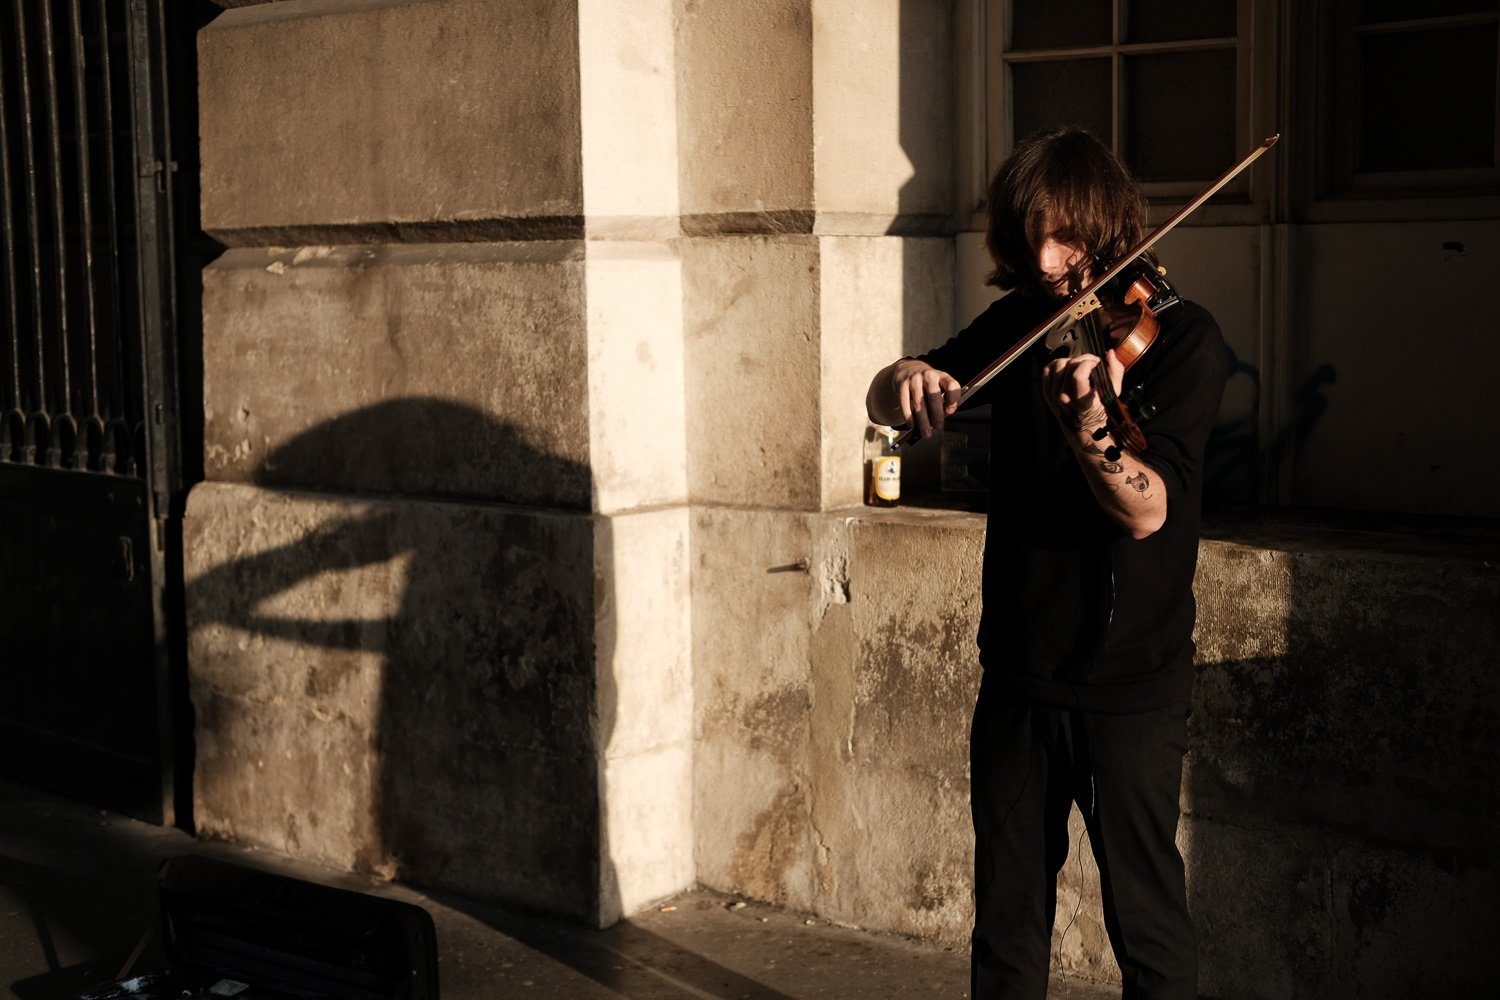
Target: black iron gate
x=88 y=454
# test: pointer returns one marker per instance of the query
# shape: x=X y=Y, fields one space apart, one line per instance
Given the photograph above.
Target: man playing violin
x=1090 y=549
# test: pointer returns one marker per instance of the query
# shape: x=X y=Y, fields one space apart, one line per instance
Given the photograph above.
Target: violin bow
x=1086 y=300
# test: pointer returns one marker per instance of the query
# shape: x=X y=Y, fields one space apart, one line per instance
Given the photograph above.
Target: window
x=1169 y=85
x=1408 y=106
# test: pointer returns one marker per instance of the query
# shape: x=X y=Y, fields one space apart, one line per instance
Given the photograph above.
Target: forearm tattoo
x=1078 y=423
x=1093 y=450
x=1140 y=482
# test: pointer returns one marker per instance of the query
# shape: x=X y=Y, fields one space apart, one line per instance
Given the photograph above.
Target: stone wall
x=438 y=577
x=580 y=272
x=531 y=564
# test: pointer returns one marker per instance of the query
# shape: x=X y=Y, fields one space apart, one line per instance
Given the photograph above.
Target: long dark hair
x=1065 y=183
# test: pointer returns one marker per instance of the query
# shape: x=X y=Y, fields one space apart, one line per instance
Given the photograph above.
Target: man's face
x=1060 y=263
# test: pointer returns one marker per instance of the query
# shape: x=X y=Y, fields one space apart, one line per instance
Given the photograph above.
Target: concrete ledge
x=1337 y=795
x=1350 y=690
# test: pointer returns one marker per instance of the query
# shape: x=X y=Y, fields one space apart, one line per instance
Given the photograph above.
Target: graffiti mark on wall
x=1232 y=472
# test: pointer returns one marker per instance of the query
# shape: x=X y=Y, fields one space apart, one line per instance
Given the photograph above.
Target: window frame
x=1326 y=187
x=986 y=122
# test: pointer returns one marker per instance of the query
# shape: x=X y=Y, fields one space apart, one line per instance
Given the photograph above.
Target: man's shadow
x=468 y=620
x=489 y=714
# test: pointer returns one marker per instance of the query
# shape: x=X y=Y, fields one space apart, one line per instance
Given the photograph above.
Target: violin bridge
x=1084 y=306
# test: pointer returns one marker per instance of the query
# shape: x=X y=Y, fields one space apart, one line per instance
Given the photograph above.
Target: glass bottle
x=883 y=471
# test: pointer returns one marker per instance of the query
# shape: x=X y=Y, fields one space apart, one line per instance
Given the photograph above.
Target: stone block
x=744 y=80
x=835 y=764
x=402 y=687
x=643 y=623
x=1335 y=692
x=391 y=120
x=636 y=411
x=1242 y=592
x=753 y=597
x=628 y=103
x=647 y=835
x=882 y=82
x=1261 y=902
x=1413 y=926
x=914 y=593
x=448 y=370
x=789 y=331
x=758 y=844
x=901 y=861
x=753 y=366
x=876 y=296
x=644 y=730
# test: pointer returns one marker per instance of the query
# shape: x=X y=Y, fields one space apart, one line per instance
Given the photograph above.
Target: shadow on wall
x=407 y=679
x=1231 y=474
x=1340 y=793
x=401 y=677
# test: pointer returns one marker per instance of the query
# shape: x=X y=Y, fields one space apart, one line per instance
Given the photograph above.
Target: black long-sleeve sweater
x=1077 y=613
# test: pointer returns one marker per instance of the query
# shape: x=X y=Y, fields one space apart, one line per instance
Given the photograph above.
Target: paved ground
x=77 y=894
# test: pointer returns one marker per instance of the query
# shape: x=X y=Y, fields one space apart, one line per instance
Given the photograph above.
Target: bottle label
x=888 y=477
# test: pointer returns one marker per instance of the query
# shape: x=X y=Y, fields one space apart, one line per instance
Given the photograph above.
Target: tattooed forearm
x=1120 y=483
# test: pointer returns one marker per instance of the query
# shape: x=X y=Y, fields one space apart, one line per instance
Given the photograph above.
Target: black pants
x=1028 y=763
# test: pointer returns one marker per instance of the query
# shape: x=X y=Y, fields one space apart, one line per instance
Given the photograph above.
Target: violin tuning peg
x=1112 y=453
x=1101 y=433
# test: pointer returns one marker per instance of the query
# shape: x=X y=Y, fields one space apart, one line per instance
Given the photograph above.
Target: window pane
x=1376 y=11
x=1172 y=20
x=1438 y=111
x=1050 y=24
x=1180 y=115
x=1061 y=92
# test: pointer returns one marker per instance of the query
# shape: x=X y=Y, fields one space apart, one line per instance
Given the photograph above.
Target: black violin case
x=232 y=931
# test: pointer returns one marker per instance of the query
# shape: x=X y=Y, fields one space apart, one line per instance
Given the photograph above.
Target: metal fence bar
x=85 y=207
x=64 y=428
x=11 y=402
x=117 y=434
x=72 y=381
x=36 y=432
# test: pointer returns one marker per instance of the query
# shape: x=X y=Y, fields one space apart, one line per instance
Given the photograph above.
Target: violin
x=1128 y=325
x=1114 y=300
